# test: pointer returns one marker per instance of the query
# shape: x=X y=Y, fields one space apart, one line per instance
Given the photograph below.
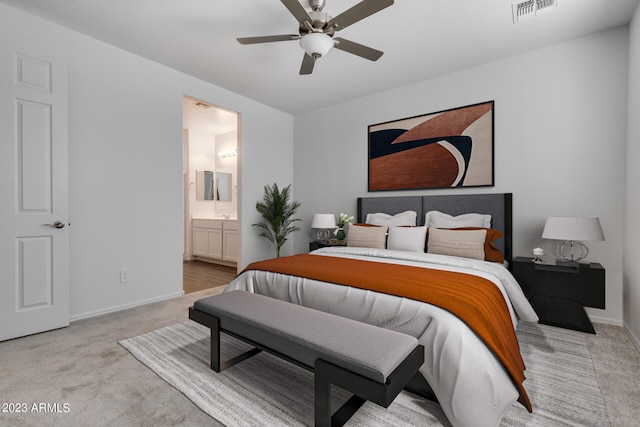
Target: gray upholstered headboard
x=498 y=205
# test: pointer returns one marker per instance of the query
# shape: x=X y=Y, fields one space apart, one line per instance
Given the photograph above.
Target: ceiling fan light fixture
x=316 y=44
x=317 y=28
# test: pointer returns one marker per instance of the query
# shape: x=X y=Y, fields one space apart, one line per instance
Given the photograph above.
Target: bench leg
x=346 y=411
x=213 y=323
x=215 y=344
x=322 y=399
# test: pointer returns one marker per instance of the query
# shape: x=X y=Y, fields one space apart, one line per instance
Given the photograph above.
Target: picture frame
x=451 y=148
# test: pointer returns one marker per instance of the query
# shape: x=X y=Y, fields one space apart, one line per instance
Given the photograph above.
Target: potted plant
x=277 y=211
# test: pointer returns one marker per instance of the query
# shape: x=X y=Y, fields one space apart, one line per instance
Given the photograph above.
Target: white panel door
x=34 y=235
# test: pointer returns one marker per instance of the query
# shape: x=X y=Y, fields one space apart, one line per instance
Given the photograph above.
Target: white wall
x=202 y=157
x=631 y=290
x=125 y=145
x=560 y=137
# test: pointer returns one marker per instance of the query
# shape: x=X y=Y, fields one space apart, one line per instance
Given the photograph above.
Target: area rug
x=266 y=391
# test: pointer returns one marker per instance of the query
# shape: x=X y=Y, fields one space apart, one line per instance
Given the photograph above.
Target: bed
x=468 y=376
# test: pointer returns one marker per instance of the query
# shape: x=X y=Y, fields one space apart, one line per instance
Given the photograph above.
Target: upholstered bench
x=372 y=363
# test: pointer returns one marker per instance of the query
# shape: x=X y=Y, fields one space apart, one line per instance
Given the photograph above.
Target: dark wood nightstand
x=558 y=293
x=317 y=245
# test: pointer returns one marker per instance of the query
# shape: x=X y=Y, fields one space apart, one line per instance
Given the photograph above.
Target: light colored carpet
x=265 y=390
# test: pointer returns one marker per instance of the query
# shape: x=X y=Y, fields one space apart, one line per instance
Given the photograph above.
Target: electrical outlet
x=125 y=275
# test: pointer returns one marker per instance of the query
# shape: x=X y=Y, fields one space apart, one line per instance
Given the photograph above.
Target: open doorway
x=210 y=146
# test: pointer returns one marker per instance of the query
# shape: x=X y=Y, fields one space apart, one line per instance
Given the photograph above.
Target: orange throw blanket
x=475 y=300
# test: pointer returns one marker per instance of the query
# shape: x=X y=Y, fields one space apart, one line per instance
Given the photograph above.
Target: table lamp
x=572 y=231
x=323 y=223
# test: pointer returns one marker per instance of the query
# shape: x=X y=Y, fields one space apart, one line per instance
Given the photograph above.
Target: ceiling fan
x=317 y=29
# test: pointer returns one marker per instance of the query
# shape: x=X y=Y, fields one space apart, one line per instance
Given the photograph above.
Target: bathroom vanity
x=216 y=240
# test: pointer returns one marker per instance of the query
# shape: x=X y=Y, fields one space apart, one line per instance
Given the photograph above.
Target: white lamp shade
x=323 y=221
x=579 y=229
x=316 y=43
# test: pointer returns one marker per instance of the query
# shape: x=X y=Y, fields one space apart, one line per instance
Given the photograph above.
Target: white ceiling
x=420 y=39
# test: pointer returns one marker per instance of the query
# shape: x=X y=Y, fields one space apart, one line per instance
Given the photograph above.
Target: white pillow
x=367 y=237
x=467 y=244
x=407 y=238
x=402 y=218
x=436 y=219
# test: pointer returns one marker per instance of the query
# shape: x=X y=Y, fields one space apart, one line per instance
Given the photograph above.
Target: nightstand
x=317 y=245
x=558 y=293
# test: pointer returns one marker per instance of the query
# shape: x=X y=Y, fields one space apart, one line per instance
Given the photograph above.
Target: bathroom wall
x=225 y=142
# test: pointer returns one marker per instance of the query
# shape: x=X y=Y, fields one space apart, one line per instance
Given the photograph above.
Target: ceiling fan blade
x=357 y=49
x=307 y=64
x=357 y=13
x=297 y=10
x=268 y=39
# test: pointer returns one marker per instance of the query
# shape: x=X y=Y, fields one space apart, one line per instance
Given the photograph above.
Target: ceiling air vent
x=530 y=8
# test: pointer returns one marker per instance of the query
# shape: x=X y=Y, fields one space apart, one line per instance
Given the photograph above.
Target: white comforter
x=471 y=385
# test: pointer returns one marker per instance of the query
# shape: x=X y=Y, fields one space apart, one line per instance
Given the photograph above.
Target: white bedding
x=471 y=385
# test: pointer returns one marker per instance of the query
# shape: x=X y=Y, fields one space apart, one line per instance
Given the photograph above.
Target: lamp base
x=322 y=235
x=571 y=251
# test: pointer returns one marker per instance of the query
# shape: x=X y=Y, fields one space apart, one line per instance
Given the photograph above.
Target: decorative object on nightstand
x=558 y=293
x=572 y=231
x=343 y=220
x=537 y=255
x=323 y=223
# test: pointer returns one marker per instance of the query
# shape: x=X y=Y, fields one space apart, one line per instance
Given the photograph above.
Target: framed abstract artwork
x=446 y=149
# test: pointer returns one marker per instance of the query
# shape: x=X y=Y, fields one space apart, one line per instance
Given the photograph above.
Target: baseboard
x=634 y=340
x=124 y=306
x=606 y=321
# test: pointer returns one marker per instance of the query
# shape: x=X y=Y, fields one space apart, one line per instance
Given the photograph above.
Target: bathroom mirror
x=204 y=185
x=223 y=188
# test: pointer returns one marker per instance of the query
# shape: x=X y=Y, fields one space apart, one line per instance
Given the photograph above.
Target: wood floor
x=199 y=275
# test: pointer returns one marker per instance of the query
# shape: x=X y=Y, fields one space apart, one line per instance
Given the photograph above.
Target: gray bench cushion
x=305 y=334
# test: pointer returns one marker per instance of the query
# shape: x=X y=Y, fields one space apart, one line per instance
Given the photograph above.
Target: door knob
x=57 y=224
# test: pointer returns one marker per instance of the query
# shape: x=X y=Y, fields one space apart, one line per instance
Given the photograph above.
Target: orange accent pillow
x=491 y=251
